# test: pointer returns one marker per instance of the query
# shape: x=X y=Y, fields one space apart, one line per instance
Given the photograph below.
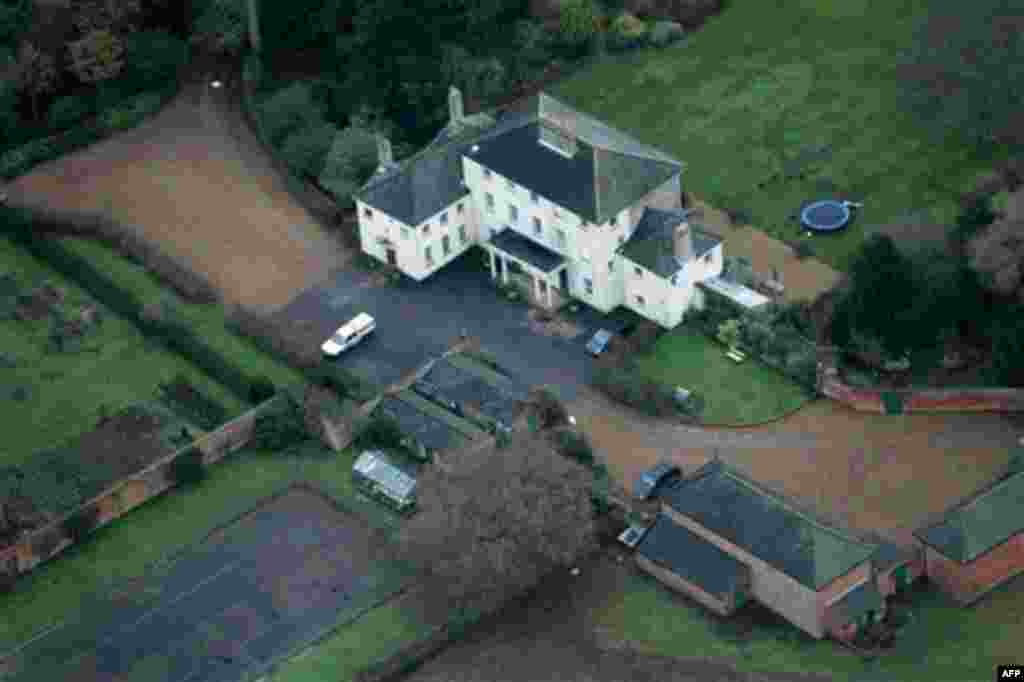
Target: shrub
x=626 y=32
x=67 y=111
x=577 y=23
x=627 y=386
x=804 y=250
x=305 y=149
x=81 y=523
x=192 y=403
x=379 y=431
x=665 y=33
x=575 y=445
x=289 y=109
x=188 y=468
x=551 y=411
x=221 y=26
x=261 y=389
x=279 y=429
x=153 y=57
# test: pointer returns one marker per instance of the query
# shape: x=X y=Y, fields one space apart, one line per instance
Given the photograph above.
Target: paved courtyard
x=417 y=320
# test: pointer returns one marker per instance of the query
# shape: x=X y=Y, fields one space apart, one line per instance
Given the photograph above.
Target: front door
x=392 y=258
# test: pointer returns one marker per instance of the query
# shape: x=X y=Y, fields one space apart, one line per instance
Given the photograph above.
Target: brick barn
x=723 y=539
x=978 y=544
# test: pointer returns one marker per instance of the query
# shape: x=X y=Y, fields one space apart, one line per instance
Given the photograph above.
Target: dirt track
x=872 y=472
x=195 y=181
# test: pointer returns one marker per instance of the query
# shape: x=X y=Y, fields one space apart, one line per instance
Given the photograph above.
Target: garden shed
x=384 y=480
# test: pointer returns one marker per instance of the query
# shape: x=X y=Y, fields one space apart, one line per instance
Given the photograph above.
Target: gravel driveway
x=418 y=319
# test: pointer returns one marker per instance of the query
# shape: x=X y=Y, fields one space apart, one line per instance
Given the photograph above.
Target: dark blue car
x=645 y=485
x=599 y=343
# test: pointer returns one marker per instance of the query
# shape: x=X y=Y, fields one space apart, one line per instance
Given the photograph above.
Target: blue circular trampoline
x=827 y=215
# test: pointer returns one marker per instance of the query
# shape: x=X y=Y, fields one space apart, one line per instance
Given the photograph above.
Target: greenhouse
x=384 y=480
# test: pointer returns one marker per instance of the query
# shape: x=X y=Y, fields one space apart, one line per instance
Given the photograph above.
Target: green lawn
x=377 y=635
x=764 y=84
x=748 y=393
x=941 y=642
x=164 y=526
x=115 y=366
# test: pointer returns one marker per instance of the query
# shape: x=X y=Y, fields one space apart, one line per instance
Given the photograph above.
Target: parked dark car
x=599 y=343
x=649 y=480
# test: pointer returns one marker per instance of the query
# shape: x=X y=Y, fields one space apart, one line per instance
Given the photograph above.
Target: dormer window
x=638 y=272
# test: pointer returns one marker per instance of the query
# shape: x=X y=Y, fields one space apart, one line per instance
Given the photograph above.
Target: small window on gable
x=446 y=244
x=489 y=201
x=707 y=257
x=487 y=173
x=533 y=197
x=368 y=214
x=458 y=208
x=426 y=228
x=615 y=221
x=444 y=218
x=462 y=233
x=430 y=256
x=640 y=300
x=588 y=286
x=638 y=272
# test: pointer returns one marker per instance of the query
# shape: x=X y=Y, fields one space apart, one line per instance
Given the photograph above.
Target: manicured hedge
x=172 y=333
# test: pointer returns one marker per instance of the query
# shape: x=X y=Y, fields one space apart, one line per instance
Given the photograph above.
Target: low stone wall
x=45 y=542
x=903 y=400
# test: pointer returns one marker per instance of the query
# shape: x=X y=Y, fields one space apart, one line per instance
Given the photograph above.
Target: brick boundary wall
x=45 y=542
x=963 y=399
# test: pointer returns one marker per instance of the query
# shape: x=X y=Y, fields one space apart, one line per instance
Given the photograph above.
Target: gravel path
x=195 y=181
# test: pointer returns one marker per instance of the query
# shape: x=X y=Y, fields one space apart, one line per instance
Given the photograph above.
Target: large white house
x=563 y=204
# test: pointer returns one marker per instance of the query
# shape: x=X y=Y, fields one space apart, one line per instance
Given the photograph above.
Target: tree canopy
x=493 y=523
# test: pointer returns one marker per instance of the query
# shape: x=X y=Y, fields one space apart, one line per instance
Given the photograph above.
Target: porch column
x=504 y=270
x=536 y=288
x=494 y=274
x=548 y=283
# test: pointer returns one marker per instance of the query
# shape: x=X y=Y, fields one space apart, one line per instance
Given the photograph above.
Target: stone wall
x=45 y=542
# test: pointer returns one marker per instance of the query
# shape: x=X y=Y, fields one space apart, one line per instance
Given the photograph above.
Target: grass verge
x=657 y=621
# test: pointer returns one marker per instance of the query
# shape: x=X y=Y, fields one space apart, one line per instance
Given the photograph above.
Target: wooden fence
x=45 y=542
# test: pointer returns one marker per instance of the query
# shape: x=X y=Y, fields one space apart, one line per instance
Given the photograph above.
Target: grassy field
x=748 y=393
x=164 y=526
x=805 y=89
x=115 y=366
x=942 y=641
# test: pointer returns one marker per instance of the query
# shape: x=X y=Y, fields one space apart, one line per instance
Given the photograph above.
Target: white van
x=349 y=334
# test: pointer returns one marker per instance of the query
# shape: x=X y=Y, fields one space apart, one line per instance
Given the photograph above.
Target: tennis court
x=272 y=581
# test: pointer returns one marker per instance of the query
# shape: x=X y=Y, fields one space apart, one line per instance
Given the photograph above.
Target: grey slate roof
x=493 y=399
x=988 y=519
x=859 y=601
x=430 y=432
x=609 y=172
x=525 y=249
x=651 y=244
x=691 y=557
x=765 y=525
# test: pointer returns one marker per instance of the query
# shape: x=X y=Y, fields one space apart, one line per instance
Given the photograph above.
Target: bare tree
x=37 y=74
x=494 y=522
x=98 y=56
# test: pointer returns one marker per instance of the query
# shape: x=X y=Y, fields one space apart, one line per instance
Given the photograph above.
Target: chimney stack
x=384 y=156
x=682 y=243
x=456 y=113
